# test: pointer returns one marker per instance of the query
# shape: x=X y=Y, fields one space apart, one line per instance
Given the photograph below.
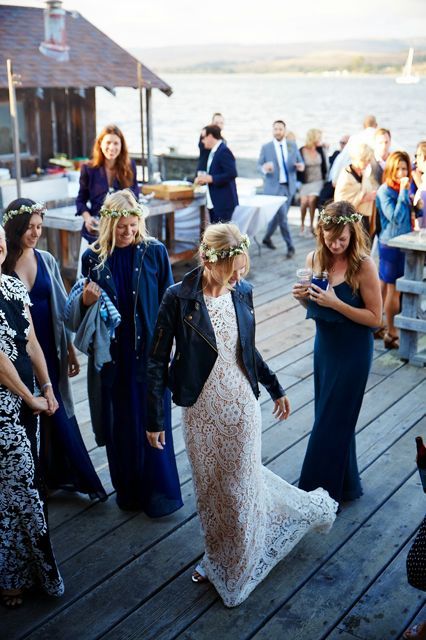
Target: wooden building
x=61 y=58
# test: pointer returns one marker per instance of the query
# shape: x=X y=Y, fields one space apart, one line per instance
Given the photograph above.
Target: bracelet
x=46 y=384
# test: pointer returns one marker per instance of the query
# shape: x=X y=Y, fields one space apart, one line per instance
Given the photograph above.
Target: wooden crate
x=168 y=192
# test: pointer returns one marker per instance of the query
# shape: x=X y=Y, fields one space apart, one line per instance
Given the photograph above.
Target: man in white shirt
x=365 y=136
x=220 y=177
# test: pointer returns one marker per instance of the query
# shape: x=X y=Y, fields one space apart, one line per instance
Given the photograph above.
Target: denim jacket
x=150 y=278
x=394 y=209
x=184 y=317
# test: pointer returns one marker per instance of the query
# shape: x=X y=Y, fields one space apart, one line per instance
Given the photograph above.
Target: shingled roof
x=94 y=61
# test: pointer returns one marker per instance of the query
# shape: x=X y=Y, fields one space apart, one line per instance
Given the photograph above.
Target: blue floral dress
x=65 y=462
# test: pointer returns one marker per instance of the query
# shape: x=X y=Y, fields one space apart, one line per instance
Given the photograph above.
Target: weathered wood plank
x=310 y=610
x=219 y=622
x=387 y=607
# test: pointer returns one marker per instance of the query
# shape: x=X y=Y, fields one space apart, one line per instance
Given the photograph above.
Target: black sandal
x=391 y=342
x=380 y=333
x=198 y=575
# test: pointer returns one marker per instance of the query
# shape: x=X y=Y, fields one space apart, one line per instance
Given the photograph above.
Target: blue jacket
x=184 y=317
x=223 y=190
x=93 y=189
x=150 y=278
x=394 y=208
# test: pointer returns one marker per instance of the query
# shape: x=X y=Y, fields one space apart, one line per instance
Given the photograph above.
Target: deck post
x=12 y=81
x=148 y=97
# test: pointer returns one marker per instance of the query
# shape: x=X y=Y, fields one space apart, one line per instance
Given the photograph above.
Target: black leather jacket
x=183 y=316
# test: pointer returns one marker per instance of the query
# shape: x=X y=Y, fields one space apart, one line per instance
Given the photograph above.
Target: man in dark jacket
x=220 y=178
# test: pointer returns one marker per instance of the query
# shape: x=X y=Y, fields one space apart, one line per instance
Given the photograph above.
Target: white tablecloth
x=252 y=215
x=255 y=212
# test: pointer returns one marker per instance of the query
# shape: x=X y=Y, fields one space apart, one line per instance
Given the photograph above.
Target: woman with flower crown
x=345 y=315
x=64 y=460
x=250 y=517
x=26 y=556
x=133 y=270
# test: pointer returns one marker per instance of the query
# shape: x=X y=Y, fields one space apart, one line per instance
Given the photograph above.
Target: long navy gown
x=343 y=352
x=144 y=478
x=64 y=460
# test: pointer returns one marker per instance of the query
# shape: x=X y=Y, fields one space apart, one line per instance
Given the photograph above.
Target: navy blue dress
x=143 y=477
x=342 y=358
x=63 y=456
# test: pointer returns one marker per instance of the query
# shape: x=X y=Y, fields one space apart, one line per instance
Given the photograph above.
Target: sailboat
x=407 y=76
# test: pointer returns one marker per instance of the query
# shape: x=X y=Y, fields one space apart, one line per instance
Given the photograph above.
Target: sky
x=159 y=23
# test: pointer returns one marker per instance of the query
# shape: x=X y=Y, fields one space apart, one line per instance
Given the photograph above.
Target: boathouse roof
x=94 y=59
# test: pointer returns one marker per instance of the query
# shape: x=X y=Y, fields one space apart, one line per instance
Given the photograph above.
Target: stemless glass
x=321 y=280
x=304 y=276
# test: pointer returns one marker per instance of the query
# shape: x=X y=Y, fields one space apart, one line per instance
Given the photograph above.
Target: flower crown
x=139 y=210
x=353 y=217
x=213 y=255
x=37 y=207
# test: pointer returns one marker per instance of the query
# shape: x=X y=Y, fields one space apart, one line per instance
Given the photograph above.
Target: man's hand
x=206 y=179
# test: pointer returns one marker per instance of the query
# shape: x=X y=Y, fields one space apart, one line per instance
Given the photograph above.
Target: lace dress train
x=250 y=517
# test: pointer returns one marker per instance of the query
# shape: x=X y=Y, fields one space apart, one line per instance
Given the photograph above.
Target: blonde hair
x=224 y=236
x=119 y=201
x=362 y=152
x=358 y=248
x=313 y=137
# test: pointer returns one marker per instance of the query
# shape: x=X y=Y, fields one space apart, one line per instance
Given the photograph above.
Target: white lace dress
x=251 y=518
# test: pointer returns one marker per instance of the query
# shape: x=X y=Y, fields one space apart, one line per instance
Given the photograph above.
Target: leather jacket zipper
x=160 y=334
x=200 y=334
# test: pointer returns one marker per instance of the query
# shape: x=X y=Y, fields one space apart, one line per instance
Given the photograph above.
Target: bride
x=250 y=517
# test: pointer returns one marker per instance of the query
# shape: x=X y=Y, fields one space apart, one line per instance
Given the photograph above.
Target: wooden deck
x=128 y=577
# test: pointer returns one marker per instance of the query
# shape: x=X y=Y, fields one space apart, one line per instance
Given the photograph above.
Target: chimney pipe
x=55 y=41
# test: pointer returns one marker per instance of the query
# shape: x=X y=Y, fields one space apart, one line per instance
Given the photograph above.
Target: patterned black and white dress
x=26 y=556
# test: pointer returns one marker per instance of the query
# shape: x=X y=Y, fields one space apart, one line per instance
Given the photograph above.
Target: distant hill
x=358 y=56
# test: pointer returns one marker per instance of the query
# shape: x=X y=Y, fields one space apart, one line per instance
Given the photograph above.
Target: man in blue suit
x=220 y=178
x=278 y=162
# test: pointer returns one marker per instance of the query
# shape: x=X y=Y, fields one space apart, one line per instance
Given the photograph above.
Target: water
x=251 y=102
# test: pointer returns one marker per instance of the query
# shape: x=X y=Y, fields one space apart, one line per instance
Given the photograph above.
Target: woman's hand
x=281 y=408
x=38 y=404
x=323 y=298
x=156 y=439
x=91 y=293
x=300 y=291
x=52 y=403
x=404 y=183
x=91 y=223
x=73 y=363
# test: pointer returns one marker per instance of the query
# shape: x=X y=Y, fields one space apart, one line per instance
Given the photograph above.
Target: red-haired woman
x=109 y=170
x=394 y=207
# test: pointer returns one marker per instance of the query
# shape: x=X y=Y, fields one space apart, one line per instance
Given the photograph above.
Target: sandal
x=12 y=600
x=391 y=342
x=380 y=333
x=199 y=575
x=416 y=632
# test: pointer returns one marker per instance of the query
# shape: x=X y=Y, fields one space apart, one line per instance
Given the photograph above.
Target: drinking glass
x=321 y=280
x=304 y=276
